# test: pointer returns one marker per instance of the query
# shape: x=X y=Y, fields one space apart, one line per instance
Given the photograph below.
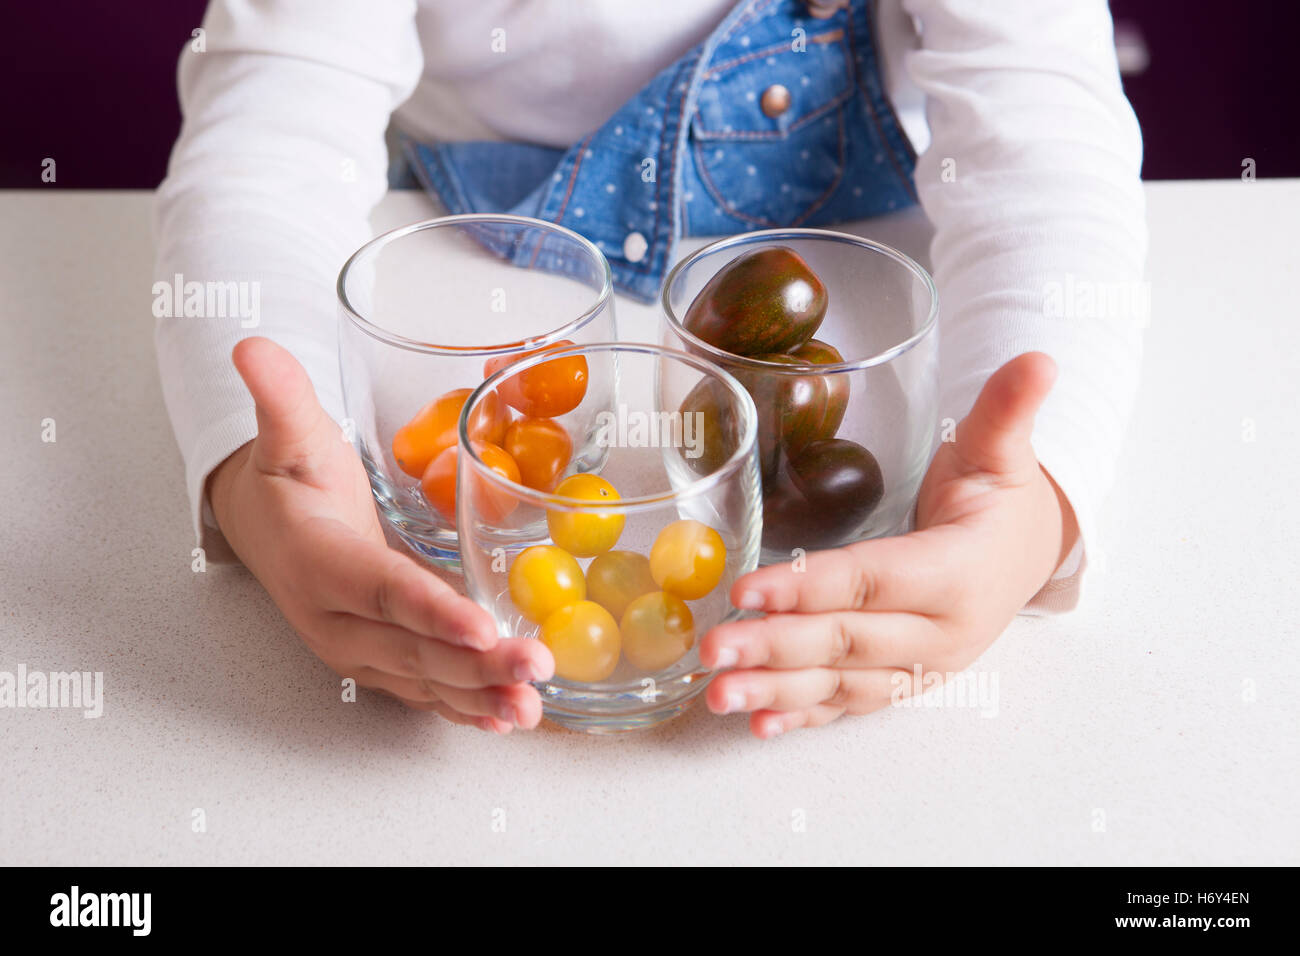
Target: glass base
x=618 y=718
x=446 y=558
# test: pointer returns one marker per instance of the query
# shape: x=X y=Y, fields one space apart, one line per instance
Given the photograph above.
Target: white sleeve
x=1031 y=180
x=280 y=161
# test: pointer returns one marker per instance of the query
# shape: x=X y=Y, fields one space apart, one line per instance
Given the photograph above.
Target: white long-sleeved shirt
x=1028 y=169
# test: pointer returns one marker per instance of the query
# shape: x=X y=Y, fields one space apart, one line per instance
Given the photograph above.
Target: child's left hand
x=991 y=529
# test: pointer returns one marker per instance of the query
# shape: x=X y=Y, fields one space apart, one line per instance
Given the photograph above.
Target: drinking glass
x=426 y=311
x=845 y=440
x=623 y=556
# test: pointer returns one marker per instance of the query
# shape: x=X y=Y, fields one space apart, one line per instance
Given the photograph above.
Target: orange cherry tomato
x=490 y=420
x=546 y=390
x=491 y=504
x=433 y=429
x=541 y=448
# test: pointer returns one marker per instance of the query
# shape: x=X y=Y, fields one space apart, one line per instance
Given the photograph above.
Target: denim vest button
x=775 y=100
x=634 y=247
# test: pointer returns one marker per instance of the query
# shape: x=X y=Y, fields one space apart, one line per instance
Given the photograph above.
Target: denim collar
x=705 y=147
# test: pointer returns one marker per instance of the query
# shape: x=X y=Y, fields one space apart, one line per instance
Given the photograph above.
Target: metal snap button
x=634 y=247
x=775 y=100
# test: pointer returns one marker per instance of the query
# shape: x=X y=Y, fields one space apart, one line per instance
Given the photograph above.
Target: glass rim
x=375 y=245
x=830 y=368
x=553 y=502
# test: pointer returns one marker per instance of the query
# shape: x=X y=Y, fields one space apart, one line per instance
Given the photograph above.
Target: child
x=781 y=112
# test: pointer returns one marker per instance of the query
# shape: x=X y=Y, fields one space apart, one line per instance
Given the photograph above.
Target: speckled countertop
x=1156 y=725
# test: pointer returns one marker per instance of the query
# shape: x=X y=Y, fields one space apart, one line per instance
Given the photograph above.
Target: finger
x=767 y=724
x=994 y=437
x=845 y=639
x=395 y=650
x=517 y=704
x=911 y=572
x=490 y=724
x=290 y=419
x=371 y=580
x=856 y=691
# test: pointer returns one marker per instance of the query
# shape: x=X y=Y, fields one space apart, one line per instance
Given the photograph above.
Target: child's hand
x=295 y=505
x=991 y=529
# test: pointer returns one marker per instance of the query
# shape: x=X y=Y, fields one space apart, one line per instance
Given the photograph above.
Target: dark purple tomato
x=791 y=521
x=838 y=477
x=767 y=300
x=822 y=497
x=788 y=520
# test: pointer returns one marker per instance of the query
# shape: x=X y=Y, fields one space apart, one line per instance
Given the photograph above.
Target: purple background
x=93 y=84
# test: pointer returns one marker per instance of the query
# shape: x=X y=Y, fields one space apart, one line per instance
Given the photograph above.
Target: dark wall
x=92 y=84
x=1221 y=86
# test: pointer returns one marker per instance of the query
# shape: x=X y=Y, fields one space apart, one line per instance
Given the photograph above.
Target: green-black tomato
x=764 y=301
x=708 y=411
x=814 y=352
x=793 y=410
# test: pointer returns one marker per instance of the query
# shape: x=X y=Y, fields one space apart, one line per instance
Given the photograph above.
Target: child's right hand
x=295 y=505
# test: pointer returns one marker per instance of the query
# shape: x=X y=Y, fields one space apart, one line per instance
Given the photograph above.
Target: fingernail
x=527 y=670
x=749 y=601
x=734 y=701
x=727 y=657
x=506 y=712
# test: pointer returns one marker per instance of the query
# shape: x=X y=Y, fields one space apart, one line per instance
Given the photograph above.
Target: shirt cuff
x=1064 y=589
x=217 y=443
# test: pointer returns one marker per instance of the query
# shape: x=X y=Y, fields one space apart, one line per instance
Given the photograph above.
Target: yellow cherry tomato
x=544 y=579
x=585 y=535
x=583 y=639
x=657 y=629
x=687 y=559
x=616 y=578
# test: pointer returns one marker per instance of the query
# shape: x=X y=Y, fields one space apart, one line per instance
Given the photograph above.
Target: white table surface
x=1165 y=709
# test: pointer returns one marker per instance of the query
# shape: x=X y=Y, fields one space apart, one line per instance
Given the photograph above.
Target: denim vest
x=777 y=119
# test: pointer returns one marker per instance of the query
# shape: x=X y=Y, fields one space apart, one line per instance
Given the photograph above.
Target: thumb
x=994 y=437
x=290 y=419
